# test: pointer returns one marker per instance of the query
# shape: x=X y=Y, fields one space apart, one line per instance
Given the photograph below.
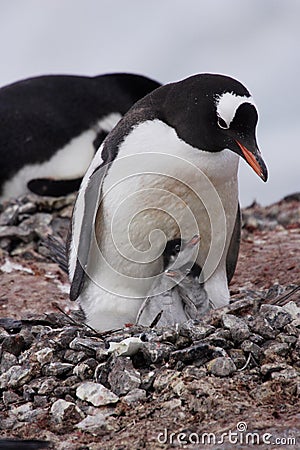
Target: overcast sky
x=256 y=41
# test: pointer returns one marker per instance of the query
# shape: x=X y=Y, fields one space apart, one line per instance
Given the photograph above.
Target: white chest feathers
x=160 y=188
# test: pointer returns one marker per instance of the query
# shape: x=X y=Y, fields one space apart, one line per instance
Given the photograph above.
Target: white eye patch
x=227 y=105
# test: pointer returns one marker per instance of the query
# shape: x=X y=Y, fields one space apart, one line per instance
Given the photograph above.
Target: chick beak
x=254 y=159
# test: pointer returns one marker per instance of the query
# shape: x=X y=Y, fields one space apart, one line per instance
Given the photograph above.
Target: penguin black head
x=212 y=112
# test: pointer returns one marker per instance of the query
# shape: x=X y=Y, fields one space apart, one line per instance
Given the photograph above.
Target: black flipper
x=53 y=188
x=234 y=247
x=92 y=199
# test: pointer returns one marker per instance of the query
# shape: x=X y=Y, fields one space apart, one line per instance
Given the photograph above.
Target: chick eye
x=222 y=124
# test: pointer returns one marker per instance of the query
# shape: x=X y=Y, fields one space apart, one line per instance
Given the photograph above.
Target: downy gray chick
x=176 y=294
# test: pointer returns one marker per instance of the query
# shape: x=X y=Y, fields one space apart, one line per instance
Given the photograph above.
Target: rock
x=156 y=352
x=292 y=309
x=276 y=316
x=200 y=353
x=285 y=375
x=164 y=378
x=134 y=396
x=87 y=345
x=221 y=367
x=254 y=349
x=238 y=328
x=172 y=404
x=261 y=326
x=7 y=361
x=74 y=357
x=286 y=338
x=256 y=338
x=63 y=411
x=45 y=355
x=23 y=412
x=13 y=344
x=274 y=349
x=97 y=425
x=85 y=369
x=220 y=338
x=267 y=369
x=195 y=331
x=9 y=215
x=95 y=393
x=238 y=357
x=40 y=401
x=9 y=397
x=123 y=377
x=66 y=336
x=47 y=386
x=57 y=369
x=15 y=377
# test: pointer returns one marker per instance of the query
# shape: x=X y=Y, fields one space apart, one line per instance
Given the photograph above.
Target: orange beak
x=255 y=161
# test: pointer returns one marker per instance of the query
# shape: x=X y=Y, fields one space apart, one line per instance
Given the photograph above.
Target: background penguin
x=170 y=164
x=175 y=296
x=52 y=125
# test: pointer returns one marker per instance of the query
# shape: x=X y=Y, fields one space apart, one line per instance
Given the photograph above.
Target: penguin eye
x=177 y=248
x=222 y=124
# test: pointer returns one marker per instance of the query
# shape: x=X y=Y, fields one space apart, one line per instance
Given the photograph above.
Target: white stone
x=95 y=393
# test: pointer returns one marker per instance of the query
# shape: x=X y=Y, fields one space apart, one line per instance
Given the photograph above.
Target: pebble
x=201 y=352
x=74 y=357
x=238 y=328
x=85 y=369
x=95 y=393
x=58 y=369
x=254 y=349
x=45 y=355
x=63 y=411
x=47 y=386
x=196 y=331
x=221 y=367
x=238 y=357
x=276 y=316
x=261 y=326
x=134 y=396
x=15 y=377
x=122 y=377
x=87 y=345
x=96 y=425
x=7 y=361
x=14 y=344
x=55 y=372
x=23 y=412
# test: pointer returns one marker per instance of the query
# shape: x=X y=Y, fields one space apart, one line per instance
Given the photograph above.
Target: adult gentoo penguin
x=51 y=127
x=168 y=170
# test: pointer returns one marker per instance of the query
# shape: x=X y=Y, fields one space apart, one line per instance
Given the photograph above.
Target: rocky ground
x=235 y=375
